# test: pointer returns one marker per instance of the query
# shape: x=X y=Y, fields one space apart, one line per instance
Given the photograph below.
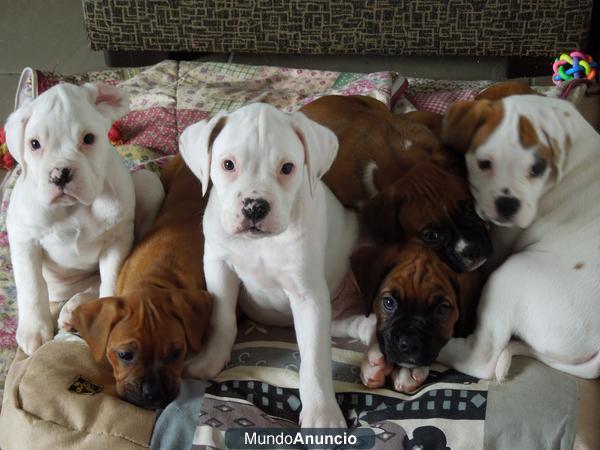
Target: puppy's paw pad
x=374 y=371
x=409 y=380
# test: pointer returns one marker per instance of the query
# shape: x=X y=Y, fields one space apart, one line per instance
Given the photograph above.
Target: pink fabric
x=439 y=102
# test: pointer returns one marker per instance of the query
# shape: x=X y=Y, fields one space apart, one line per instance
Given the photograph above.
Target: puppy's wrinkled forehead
x=62 y=109
x=257 y=127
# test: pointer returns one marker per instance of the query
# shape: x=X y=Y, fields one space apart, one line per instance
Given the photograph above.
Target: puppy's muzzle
x=61 y=176
x=255 y=209
x=410 y=345
x=507 y=206
x=152 y=392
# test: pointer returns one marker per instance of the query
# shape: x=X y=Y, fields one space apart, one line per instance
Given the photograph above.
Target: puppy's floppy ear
x=15 y=134
x=381 y=214
x=195 y=146
x=320 y=146
x=193 y=309
x=95 y=320
x=111 y=101
x=370 y=265
x=461 y=122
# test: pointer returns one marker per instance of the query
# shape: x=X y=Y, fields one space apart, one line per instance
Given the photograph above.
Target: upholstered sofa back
x=387 y=27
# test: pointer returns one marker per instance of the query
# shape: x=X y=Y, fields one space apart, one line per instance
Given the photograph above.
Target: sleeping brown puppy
x=406 y=184
x=419 y=303
x=162 y=308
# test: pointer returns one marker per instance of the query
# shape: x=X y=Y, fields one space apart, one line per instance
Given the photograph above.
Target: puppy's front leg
x=312 y=322
x=111 y=260
x=35 y=321
x=224 y=285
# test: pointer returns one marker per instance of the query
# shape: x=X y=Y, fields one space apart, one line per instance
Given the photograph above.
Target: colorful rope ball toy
x=575 y=65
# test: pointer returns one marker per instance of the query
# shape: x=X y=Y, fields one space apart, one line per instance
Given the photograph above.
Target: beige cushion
x=39 y=411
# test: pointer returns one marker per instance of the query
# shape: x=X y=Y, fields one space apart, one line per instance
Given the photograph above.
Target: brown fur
x=416 y=274
x=468 y=124
x=503 y=89
x=161 y=307
x=421 y=184
x=527 y=135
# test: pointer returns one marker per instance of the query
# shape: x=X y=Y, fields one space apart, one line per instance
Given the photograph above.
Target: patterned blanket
x=260 y=386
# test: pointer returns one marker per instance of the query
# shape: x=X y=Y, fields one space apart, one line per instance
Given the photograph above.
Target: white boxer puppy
x=534 y=165
x=275 y=236
x=70 y=218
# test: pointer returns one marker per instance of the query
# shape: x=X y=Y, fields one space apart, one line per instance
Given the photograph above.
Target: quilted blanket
x=260 y=386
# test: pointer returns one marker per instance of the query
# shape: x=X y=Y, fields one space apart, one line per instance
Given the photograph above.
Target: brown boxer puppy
x=405 y=183
x=162 y=308
x=419 y=303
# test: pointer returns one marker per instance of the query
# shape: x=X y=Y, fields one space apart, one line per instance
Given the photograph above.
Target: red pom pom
x=114 y=135
x=2 y=136
x=7 y=161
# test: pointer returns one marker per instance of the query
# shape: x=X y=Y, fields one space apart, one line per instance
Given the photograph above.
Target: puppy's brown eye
x=125 y=356
x=175 y=353
x=228 y=165
x=442 y=311
x=287 y=168
x=35 y=144
x=389 y=303
x=484 y=164
x=89 y=139
x=431 y=236
x=538 y=168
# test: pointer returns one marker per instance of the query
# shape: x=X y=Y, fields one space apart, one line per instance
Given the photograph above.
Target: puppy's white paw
x=408 y=380
x=208 y=364
x=366 y=329
x=326 y=415
x=33 y=333
x=374 y=368
x=65 y=318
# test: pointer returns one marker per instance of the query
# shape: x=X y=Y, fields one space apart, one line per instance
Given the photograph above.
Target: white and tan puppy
x=534 y=165
x=70 y=218
x=275 y=236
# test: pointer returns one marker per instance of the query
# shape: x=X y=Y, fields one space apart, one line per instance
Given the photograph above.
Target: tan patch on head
x=527 y=135
x=467 y=125
x=503 y=89
x=490 y=123
x=568 y=142
x=578 y=266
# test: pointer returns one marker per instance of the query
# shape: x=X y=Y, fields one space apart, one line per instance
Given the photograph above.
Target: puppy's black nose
x=255 y=209
x=410 y=344
x=60 y=176
x=507 y=206
x=151 y=391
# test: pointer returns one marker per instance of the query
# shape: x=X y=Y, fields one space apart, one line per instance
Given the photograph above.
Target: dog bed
x=537 y=408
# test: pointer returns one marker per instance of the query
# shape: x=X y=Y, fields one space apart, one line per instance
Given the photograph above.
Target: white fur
x=369 y=179
x=537 y=293
x=287 y=273
x=62 y=239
